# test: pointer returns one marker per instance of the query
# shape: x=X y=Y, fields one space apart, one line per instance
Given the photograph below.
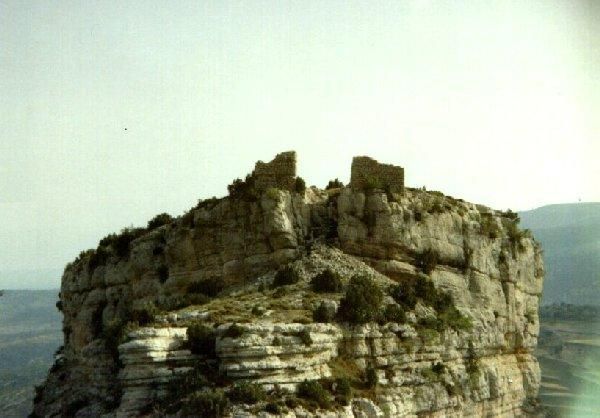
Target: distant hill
x=30 y=333
x=570 y=237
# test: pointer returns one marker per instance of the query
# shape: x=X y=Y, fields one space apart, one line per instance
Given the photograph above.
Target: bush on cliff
x=427 y=260
x=327 y=281
x=393 y=313
x=159 y=220
x=489 y=226
x=119 y=243
x=371 y=379
x=209 y=287
x=247 y=393
x=324 y=313
x=243 y=189
x=300 y=185
x=334 y=184
x=144 y=313
x=285 y=276
x=361 y=302
x=208 y=403
x=313 y=391
x=201 y=339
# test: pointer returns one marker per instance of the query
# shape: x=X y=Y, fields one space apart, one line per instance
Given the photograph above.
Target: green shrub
x=431 y=323
x=371 y=378
x=394 y=313
x=285 y=276
x=343 y=386
x=159 y=220
x=334 y=184
x=373 y=183
x=327 y=281
x=209 y=287
x=361 y=302
x=300 y=185
x=273 y=408
x=324 y=313
x=98 y=257
x=209 y=403
x=515 y=235
x=119 y=243
x=247 y=393
x=243 y=189
x=183 y=384
x=279 y=293
x=489 y=226
x=305 y=337
x=418 y=216
x=315 y=392
x=114 y=333
x=438 y=368
x=425 y=289
x=404 y=293
x=234 y=331
x=162 y=272
x=512 y=216
x=174 y=302
x=427 y=261
x=272 y=193
x=454 y=319
x=429 y=335
x=201 y=339
x=429 y=375
x=442 y=301
x=144 y=313
x=59 y=305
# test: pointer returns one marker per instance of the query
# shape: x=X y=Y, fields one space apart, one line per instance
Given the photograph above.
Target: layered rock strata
x=492 y=272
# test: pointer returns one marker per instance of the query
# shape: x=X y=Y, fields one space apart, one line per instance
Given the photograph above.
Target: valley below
x=30 y=333
x=569 y=356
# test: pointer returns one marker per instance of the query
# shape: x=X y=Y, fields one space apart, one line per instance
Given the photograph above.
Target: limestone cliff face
x=492 y=272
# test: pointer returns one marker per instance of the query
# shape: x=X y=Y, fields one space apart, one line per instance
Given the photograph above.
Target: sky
x=112 y=112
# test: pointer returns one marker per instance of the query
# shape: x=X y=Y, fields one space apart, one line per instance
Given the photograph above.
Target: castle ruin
x=368 y=173
x=279 y=172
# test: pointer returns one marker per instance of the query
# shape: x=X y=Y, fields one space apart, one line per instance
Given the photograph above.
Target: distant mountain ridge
x=570 y=237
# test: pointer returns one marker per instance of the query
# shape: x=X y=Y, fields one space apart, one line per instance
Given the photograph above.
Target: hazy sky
x=111 y=112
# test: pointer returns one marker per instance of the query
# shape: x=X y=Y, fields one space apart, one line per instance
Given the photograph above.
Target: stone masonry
x=279 y=173
x=366 y=171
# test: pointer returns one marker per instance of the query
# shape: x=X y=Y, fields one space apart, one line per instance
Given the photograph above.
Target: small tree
x=285 y=276
x=334 y=184
x=362 y=301
x=201 y=339
x=159 y=220
x=327 y=281
x=300 y=185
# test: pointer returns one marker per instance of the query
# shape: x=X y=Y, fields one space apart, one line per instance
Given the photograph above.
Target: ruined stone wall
x=366 y=171
x=279 y=173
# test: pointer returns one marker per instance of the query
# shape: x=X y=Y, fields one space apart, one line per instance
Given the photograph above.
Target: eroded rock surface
x=492 y=272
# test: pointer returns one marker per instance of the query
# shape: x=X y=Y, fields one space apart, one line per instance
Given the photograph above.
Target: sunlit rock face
x=127 y=312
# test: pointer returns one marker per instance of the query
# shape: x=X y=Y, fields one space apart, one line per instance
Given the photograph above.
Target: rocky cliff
x=365 y=301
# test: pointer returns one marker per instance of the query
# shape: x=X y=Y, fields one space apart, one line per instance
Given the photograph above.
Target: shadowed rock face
x=492 y=274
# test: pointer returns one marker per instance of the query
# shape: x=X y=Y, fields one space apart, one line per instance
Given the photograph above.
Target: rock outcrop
x=131 y=304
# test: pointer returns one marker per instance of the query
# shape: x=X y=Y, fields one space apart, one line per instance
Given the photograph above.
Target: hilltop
x=371 y=299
